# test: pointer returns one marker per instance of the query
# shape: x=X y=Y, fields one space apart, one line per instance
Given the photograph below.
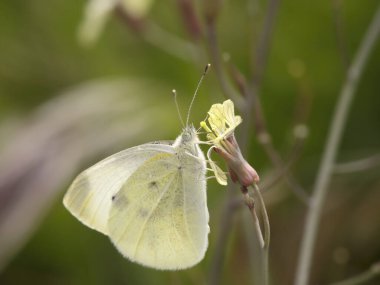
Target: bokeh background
x=66 y=103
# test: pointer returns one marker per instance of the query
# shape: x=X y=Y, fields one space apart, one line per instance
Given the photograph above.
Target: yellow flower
x=222 y=121
x=220 y=132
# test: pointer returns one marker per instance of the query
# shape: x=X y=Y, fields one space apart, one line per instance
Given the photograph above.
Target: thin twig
x=252 y=209
x=260 y=55
x=190 y=19
x=170 y=43
x=340 y=33
x=371 y=273
x=153 y=34
x=216 y=61
x=263 y=214
x=263 y=240
x=265 y=247
x=331 y=147
x=357 y=165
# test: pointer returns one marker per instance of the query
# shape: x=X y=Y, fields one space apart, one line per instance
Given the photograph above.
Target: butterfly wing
x=89 y=196
x=159 y=218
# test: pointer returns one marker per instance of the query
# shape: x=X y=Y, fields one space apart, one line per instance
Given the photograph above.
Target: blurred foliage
x=41 y=62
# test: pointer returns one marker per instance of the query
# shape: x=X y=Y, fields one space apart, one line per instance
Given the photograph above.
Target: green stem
x=265 y=248
x=264 y=215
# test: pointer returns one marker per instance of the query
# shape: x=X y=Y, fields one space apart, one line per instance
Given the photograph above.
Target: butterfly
x=150 y=200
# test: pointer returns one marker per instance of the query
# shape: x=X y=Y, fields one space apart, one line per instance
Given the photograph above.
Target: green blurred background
x=64 y=106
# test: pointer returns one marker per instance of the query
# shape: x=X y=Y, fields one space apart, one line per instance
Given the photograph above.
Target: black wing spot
x=120 y=200
x=153 y=184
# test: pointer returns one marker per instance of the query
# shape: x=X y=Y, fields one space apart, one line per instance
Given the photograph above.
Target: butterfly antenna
x=196 y=91
x=177 y=107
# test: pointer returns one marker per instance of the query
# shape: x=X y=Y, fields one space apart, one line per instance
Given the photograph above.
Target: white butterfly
x=150 y=200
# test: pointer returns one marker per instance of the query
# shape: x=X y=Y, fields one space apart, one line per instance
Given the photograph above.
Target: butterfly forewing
x=89 y=196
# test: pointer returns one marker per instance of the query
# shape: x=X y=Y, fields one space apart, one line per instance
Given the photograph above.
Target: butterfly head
x=189 y=135
x=187 y=140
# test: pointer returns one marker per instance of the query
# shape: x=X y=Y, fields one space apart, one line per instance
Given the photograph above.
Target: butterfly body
x=150 y=200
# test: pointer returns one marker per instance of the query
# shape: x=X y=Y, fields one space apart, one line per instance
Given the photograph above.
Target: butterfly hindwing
x=159 y=217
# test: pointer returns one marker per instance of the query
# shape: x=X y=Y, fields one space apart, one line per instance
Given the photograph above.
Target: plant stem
x=331 y=147
x=158 y=37
x=340 y=32
x=265 y=245
x=260 y=55
x=358 y=165
x=252 y=209
x=264 y=215
x=217 y=63
x=371 y=273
